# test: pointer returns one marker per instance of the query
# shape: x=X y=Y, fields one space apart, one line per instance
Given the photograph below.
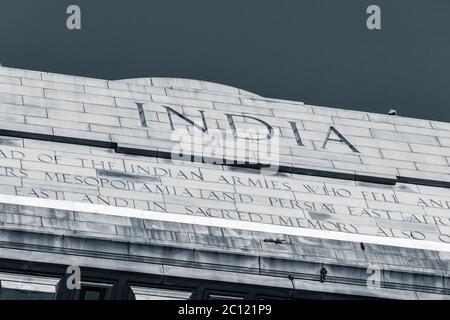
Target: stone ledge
x=222 y=266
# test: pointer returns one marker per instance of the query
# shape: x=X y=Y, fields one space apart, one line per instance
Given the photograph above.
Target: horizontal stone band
x=221 y=223
x=305 y=170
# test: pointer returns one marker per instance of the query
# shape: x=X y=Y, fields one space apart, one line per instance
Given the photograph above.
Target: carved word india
x=230 y=117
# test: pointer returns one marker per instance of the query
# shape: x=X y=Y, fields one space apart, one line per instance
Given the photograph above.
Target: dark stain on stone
x=15 y=142
x=318 y=215
x=374 y=185
x=123 y=175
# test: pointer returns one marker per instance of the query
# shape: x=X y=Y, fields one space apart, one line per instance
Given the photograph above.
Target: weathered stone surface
x=89 y=172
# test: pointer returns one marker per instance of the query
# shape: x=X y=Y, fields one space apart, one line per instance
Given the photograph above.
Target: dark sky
x=316 y=51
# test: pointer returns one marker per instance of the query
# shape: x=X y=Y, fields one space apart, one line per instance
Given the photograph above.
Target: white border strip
x=222 y=223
